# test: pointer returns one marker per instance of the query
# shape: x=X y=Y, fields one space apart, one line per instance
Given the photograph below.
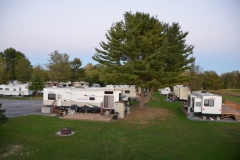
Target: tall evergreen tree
x=147 y=53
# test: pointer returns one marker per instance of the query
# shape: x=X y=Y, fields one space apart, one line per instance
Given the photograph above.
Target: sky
x=39 y=27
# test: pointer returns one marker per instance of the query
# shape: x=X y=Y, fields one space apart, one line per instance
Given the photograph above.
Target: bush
x=3 y=118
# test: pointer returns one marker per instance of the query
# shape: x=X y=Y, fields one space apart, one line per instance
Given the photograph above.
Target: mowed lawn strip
x=160 y=131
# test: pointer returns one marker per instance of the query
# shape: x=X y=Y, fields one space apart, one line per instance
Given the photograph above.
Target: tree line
x=210 y=80
x=15 y=66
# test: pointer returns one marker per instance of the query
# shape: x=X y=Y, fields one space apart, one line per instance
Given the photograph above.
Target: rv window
x=209 y=102
x=6 y=89
x=14 y=89
x=198 y=104
x=51 y=96
x=91 y=98
x=1 y=89
x=127 y=91
x=108 y=92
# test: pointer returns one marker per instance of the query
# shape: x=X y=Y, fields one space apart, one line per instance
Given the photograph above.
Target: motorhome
x=181 y=92
x=164 y=91
x=205 y=103
x=81 y=96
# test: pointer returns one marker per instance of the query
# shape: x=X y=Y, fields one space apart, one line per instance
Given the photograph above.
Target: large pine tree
x=147 y=53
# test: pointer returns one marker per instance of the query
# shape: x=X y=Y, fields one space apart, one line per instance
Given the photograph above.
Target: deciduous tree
x=231 y=80
x=4 y=75
x=211 y=81
x=195 y=74
x=23 y=70
x=37 y=79
x=93 y=74
x=142 y=51
x=12 y=58
x=59 y=67
x=76 y=70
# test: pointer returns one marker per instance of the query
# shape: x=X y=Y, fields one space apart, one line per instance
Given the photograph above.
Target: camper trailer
x=15 y=90
x=164 y=91
x=181 y=92
x=205 y=103
x=81 y=96
x=128 y=91
x=10 y=90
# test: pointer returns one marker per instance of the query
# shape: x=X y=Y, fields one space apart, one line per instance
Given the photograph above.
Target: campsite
x=137 y=92
x=161 y=131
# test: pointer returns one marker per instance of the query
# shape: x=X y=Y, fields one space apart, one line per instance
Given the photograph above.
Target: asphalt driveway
x=16 y=108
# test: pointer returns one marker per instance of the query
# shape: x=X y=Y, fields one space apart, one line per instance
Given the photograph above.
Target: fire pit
x=66 y=131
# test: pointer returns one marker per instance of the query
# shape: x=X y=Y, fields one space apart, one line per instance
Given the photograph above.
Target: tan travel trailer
x=181 y=92
x=127 y=90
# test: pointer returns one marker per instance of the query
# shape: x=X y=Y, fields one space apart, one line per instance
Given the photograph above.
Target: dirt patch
x=148 y=113
x=12 y=150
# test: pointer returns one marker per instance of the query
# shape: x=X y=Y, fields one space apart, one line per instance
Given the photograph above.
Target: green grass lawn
x=232 y=98
x=230 y=90
x=161 y=131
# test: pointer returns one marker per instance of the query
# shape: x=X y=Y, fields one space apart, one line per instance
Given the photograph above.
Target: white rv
x=205 y=103
x=164 y=91
x=15 y=90
x=181 y=92
x=81 y=96
x=128 y=91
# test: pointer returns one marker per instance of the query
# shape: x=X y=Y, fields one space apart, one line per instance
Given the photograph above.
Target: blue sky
x=38 y=27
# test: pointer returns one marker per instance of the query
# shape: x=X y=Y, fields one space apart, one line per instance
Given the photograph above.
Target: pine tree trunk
x=142 y=98
x=141 y=104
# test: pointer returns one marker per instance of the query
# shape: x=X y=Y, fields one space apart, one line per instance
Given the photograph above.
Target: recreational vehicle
x=15 y=90
x=205 y=103
x=164 y=91
x=128 y=91
x=81 y=96
x=181 y=92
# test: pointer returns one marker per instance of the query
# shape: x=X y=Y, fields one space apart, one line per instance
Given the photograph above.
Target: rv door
x=197 y=104
x=108 y=102
x=59 y=100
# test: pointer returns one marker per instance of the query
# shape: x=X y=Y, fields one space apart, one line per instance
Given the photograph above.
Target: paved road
x=16 y=108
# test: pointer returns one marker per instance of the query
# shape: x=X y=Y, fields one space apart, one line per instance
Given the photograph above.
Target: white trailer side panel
x=212 y=105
